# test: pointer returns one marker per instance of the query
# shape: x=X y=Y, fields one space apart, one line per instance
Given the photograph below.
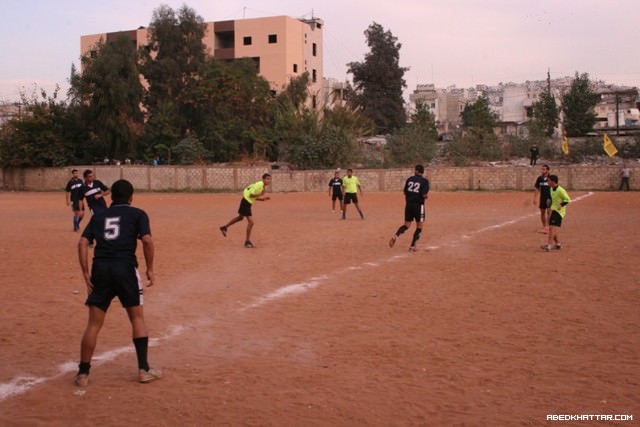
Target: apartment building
x=282 y=47
x=512 y=103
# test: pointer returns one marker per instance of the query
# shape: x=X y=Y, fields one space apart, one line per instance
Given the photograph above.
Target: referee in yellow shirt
x=351 y=185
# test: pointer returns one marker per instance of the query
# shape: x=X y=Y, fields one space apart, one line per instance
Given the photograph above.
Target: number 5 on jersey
x=111 y=228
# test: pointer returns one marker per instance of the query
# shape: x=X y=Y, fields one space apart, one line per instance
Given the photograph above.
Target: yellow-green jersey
x=559 y=199
x=253 y=191
x=350 y=184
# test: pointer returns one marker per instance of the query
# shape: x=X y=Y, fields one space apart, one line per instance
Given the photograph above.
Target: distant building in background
x=618 y=108
x=282 y=47
x=10 y=110
x=335 y=93
x=512 y=104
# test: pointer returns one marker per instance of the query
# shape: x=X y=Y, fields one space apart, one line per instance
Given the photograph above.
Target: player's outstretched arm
x=149 y=252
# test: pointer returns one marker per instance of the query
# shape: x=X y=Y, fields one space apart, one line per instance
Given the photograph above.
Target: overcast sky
x=445 y=42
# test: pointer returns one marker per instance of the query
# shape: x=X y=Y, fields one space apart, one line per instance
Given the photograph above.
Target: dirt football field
x=322 y=324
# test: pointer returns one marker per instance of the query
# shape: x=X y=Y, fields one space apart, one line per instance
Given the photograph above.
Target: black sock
x=142 y=344
x=401 y=230
x=416 y=236
x=83 y=368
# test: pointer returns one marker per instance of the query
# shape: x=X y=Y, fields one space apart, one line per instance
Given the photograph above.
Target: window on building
x=93 y=54
x=314 y=101
x=247 y=40
x=314 y=48
x=295 y=68
x=273 y=38
x=314 y=76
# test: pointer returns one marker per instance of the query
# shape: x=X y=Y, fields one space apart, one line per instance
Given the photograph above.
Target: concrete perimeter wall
x=231 y=178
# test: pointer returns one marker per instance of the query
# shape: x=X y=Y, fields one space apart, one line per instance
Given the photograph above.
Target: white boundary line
x=21 y=384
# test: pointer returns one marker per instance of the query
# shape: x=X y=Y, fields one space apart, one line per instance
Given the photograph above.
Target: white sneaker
x=150 y=375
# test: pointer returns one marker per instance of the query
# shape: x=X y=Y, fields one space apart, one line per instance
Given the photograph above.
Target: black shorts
x=335 y=196
x=245 y=208
x=545 y=203
x=555 y=219
x=414 y=212
x=77 y=205
x=350 y=197
x=114 y=279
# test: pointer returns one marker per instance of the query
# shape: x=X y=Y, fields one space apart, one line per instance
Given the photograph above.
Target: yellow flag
x=608 y=146
x=565 y=145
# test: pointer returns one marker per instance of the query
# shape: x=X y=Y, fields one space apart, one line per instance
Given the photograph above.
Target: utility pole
x=617 y=113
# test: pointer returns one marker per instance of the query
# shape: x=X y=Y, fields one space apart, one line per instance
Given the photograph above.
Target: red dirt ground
x=322 y=324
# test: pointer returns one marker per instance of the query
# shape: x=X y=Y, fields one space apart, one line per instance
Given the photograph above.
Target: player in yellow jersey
x=351 y=185
x=559 y=200
x=250 y=194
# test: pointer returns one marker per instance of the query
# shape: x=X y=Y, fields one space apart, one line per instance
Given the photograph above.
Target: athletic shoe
x=148 y=376
x=223 y=230
x=81 y=380
x=557 y=247
x=392 y=241
x=248 y=244
x=546 y=248
x=413 y=249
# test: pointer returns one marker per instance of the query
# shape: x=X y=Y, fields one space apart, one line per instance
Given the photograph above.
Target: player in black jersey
x=335 y=191
x=542 y=197
x=114 y=274
x=74 y=196
x=416 y=190
x=94 y=191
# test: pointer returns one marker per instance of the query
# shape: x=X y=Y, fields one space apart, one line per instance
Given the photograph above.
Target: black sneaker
x=248 y=244
x=223 y=230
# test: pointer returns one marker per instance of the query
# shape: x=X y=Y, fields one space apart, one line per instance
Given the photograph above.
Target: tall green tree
x=478 y=140
x=230 y=110
x=545 y=112
x=416 y=141
x=39 y=137
x=110 y=91
x=578 y=106
x=311 y=139
x=478 y=115
x=170 y=64
x=379 y=80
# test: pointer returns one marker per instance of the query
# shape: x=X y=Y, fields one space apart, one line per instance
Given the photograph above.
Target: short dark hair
x=87 y=172
x=121 y=191
x=74 y=170
x=264 y=175
x=553 y=178
x=419 y=168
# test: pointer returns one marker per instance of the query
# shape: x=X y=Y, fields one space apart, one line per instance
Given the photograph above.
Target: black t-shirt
x=74 y=186
x=116 y=231
x=336 y=185
x=415 y=188
x=90 y=192
x=542 y=184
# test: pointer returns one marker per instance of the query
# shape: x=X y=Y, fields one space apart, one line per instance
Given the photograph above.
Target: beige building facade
x=282 y=47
